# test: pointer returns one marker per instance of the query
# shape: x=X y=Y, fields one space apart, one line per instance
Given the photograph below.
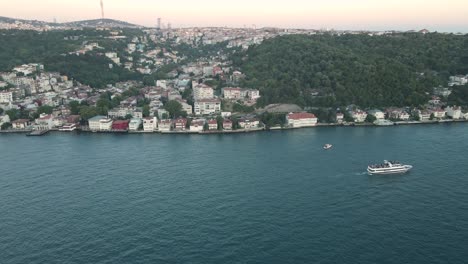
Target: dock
x=38 y=133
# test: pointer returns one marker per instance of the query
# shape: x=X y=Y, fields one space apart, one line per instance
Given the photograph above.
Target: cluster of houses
x=406 y=114
x=154 y=124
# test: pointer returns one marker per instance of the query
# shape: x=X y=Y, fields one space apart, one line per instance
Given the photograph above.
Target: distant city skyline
x=435 y=15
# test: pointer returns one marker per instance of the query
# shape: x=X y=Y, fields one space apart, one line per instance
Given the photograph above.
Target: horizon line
x=244 y=27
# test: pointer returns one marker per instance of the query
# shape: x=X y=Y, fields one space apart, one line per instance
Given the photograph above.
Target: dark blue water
x=252 y=198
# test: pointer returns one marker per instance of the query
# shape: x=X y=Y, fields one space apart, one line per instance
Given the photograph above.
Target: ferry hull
x=405 y=169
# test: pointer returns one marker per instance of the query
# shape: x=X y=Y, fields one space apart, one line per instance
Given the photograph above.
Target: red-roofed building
x=227 y=124
x=212 y=124
x=120 y=125
x=301 y=120
x=21 y=124
x=180 y=124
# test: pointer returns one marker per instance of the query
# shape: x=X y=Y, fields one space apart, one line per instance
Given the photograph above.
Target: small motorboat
x=327 y=146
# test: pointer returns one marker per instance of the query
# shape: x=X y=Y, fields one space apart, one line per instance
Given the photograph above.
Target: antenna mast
x=102 y=9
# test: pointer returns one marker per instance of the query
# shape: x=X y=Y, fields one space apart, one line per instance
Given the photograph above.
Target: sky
x=435 y=15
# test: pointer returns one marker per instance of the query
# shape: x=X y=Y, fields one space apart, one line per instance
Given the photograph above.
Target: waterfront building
x=180 y=124
x=207 y=106
x=377 y=113
x=150 y=124
x=21 y=124
x=301 y=120
x=212 y=124
x=439 y=113
x=120 y=125
x=100 y=123
x=197 y=125
x=44 y=122
x=339 y=118
x=359 y=116
x=454 y=112
x=165 y=125
x=135 y=124
x=249 y=123
x=424 y=115
x=227 y=124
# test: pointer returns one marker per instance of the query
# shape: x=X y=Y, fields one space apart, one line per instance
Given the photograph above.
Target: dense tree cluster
x=330 y=70
x=90 y=69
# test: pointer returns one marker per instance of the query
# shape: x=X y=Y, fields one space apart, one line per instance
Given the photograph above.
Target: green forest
x=52 y=48
x=370 y=71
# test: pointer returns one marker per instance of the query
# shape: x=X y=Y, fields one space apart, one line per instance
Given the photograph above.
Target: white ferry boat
x=388 y=167
x=327 y=146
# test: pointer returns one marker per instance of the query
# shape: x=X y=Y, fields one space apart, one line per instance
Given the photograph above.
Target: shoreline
x=239 y=131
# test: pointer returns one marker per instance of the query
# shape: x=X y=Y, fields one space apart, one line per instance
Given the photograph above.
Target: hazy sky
x=447 y=15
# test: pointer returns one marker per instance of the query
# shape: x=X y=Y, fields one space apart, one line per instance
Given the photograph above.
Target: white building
x=359 y=116
x=202 y=91
x=44 y=122
x=165 y=125
x=124 y=111
x=424 y=115
x=6 y=97
x=439 y=113
x=454 y=112
x=197 y=125
x=114 y=57
x=4 y=119
x=100 y=123
x=186 y=107
x=253 y=94
x=458 y=80
x=134 y=124
x=150 y=124
x=301 y=120
x=249 y=123
x=339 y=118
x=232 y=93
x=377 y=113
x=207 y=106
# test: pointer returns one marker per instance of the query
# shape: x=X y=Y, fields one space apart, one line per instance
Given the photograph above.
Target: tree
x=13 y=114
x=174 y=108
x=370 y=118
x=347 y=117
x=45 y=109
x=1 y=110
x=432 y=117
x=165 y=116
x=74 y=107
x=146 y=111
x=220 y=121
x=6 y=126
x=128 y=116
x=86 y=112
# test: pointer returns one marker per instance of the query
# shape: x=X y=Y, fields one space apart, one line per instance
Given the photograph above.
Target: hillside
x=327 y=70
x=111 y=23
x=94 y=23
